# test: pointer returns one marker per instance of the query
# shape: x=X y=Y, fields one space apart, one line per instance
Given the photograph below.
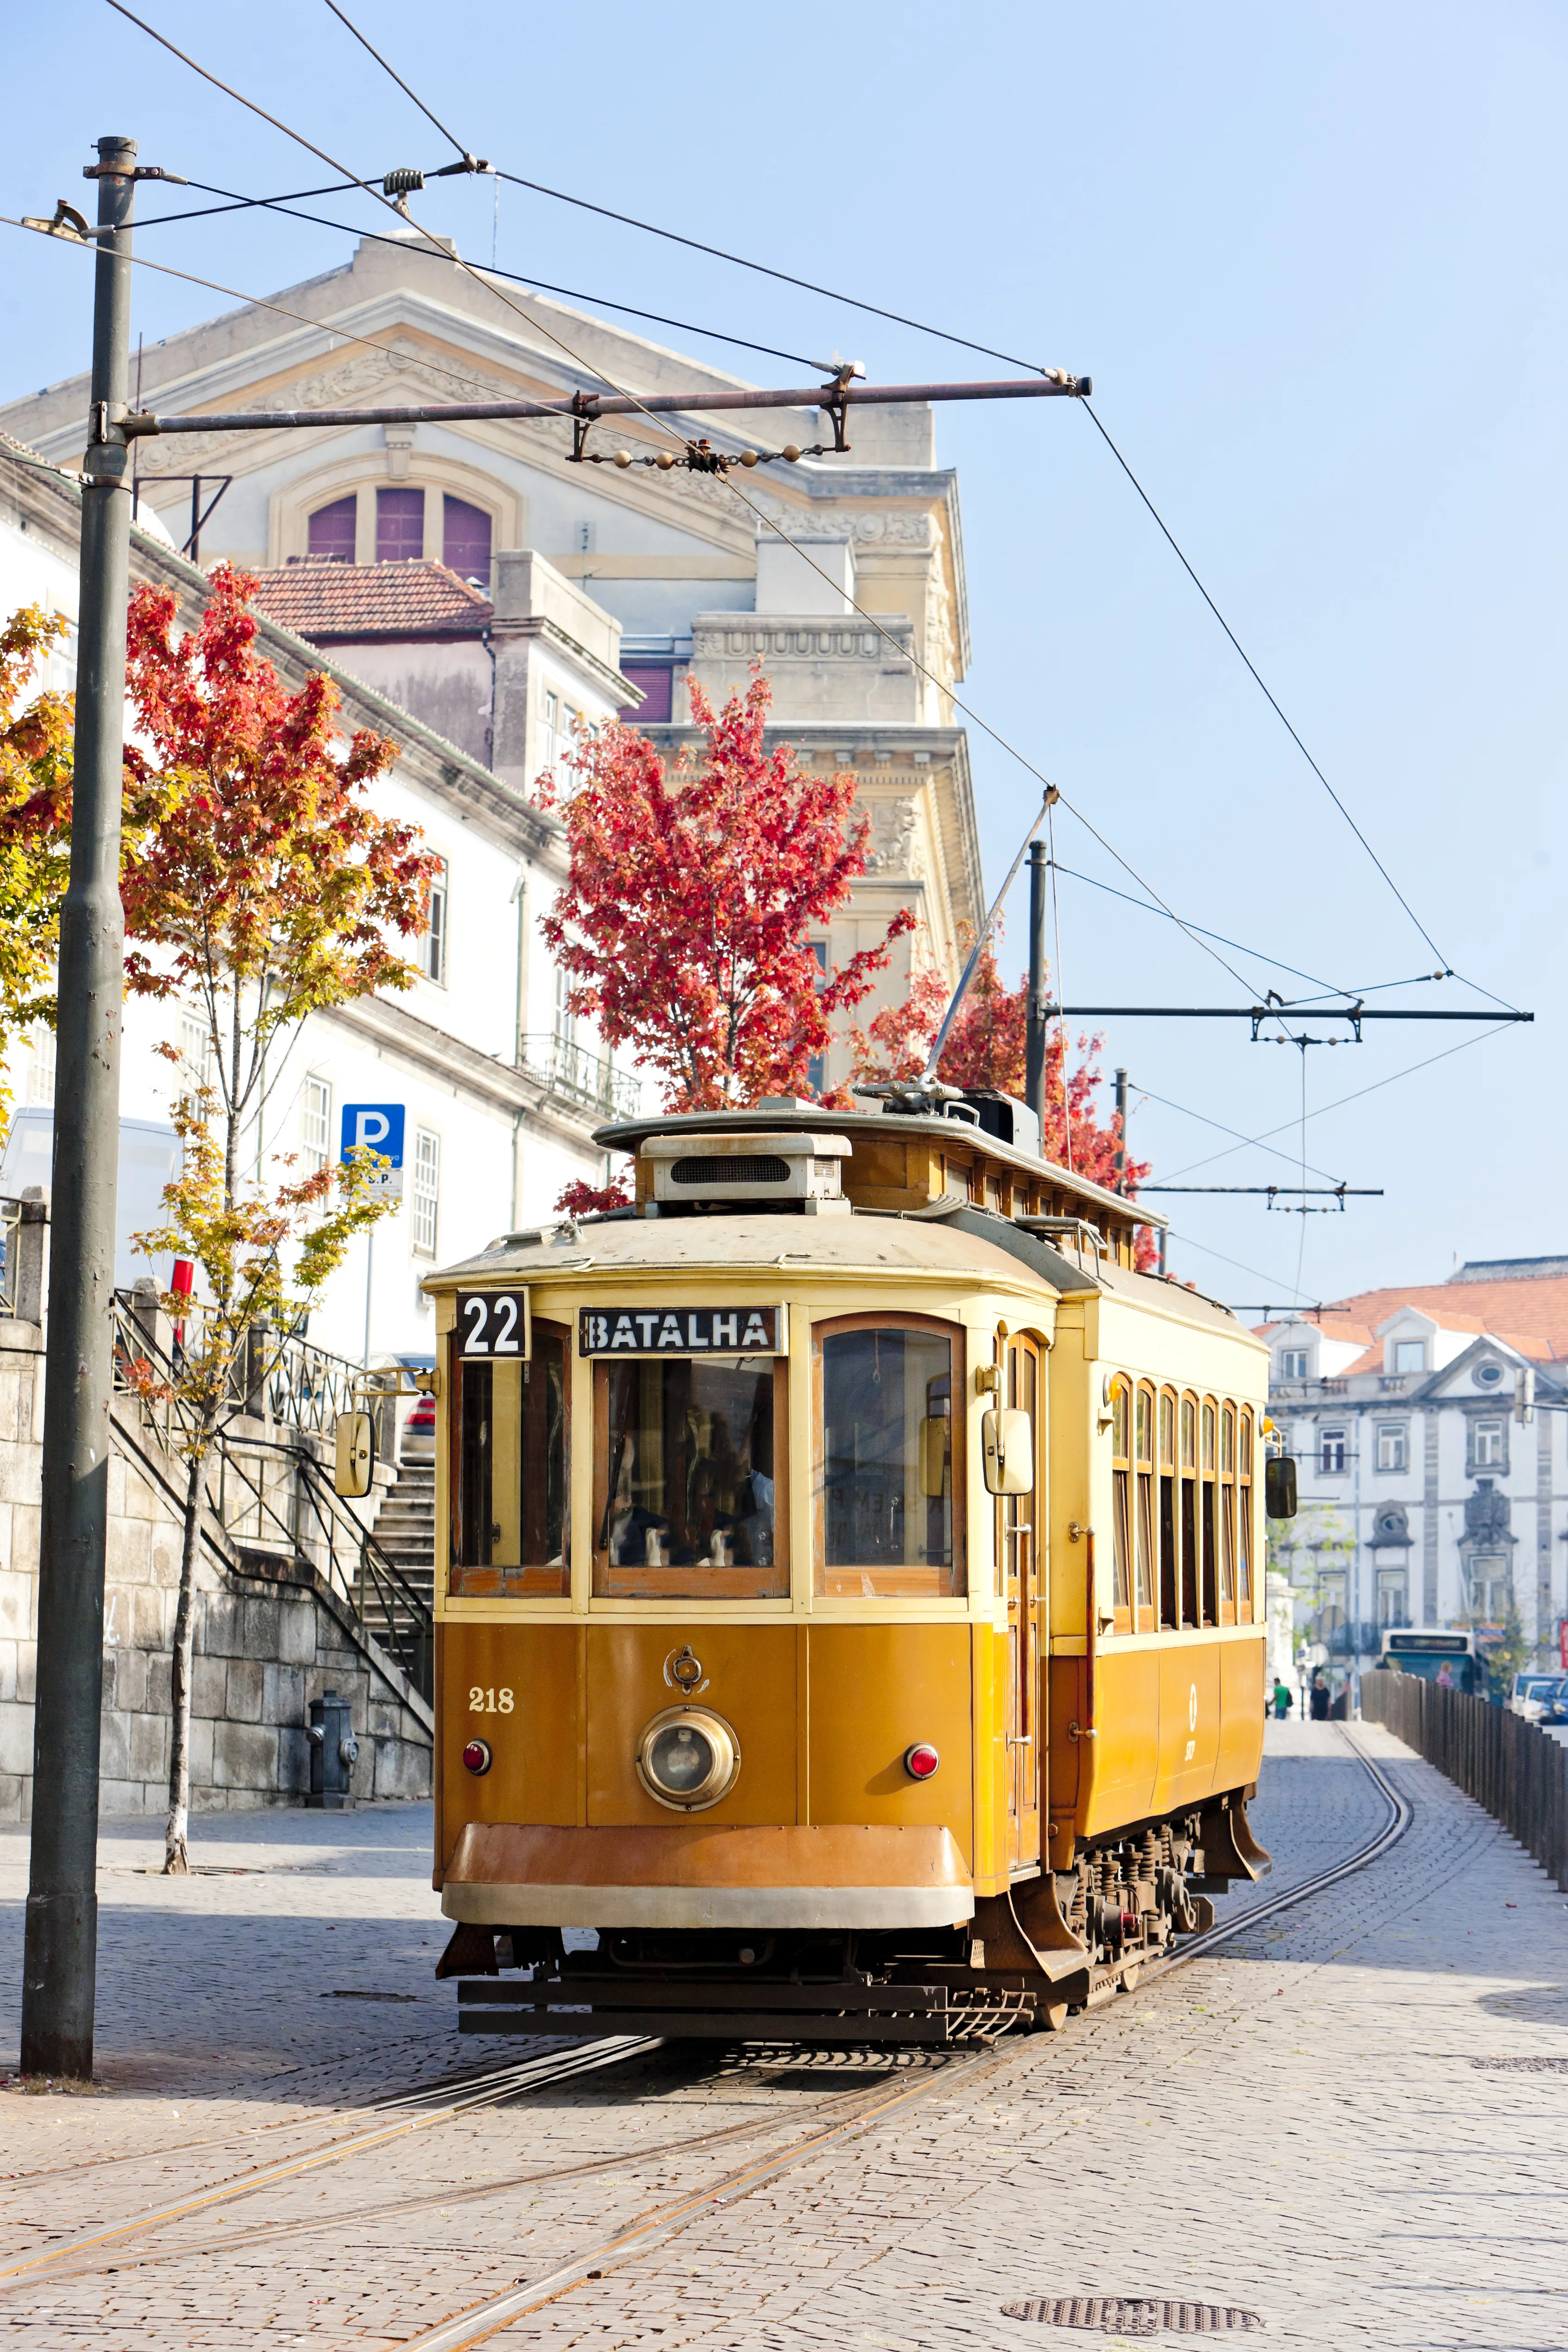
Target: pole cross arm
x=834 y=396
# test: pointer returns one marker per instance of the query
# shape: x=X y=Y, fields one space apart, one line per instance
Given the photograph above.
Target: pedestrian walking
x=1318 y=1698
x=1283 y=1699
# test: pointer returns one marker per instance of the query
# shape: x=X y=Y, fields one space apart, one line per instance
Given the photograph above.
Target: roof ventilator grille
x=755 y=1170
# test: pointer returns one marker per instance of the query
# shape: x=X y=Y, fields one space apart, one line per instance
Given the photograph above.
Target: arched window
x=331 y=531
x=465 y=541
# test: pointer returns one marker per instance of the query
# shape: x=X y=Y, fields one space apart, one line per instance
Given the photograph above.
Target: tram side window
x=1245 y=1531
x=1143 y=1438
x=888 y=1481
x=1170 y=1572
x=1209 y=1599
x=1121 y=1500
x=1189 y=1510
x=687 y=1500
x=1227 y=1515
x=510 y=1523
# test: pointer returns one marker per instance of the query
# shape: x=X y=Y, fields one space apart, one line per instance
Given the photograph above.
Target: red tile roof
x=320 y=600
x=1532 y=1316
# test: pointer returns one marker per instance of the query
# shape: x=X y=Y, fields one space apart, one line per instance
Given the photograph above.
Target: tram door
x=1018 y=1550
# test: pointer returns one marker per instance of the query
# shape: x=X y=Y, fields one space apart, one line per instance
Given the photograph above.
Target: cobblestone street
x=1304 y=2126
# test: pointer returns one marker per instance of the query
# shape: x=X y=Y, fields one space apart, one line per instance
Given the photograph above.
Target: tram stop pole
x=61 y=1953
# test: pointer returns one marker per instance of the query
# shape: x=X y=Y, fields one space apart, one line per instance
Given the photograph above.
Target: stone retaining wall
x=264 y=1646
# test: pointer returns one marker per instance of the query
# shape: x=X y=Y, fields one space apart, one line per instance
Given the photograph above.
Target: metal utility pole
x=1120 y=1185
x=61 y=1947
x=1035 y=1045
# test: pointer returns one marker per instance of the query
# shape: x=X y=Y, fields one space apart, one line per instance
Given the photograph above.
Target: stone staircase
x=405 y=1527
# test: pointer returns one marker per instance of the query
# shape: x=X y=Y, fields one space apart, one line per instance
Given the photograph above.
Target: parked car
x=1539 y=1697
x=406 y=1424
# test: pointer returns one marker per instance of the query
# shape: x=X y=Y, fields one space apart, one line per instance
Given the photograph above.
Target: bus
x=1407 y=1653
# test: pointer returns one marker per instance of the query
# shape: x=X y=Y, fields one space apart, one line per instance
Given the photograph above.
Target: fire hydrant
x=334 y=1751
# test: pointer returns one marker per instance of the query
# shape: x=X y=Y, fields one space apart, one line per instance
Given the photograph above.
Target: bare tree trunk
x=176 y=1860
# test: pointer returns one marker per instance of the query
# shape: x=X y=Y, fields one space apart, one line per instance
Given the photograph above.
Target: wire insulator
x=404 y=182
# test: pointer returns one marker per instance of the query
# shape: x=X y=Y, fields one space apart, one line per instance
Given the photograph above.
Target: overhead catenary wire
x=770 y=522
x=288 y=208
x=967 y=343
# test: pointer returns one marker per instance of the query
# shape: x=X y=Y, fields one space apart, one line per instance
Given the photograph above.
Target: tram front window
x=687 y=1501
x=887 y=1479
x=510 y=1530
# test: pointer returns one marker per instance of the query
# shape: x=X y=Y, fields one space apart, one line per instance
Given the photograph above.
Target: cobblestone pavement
x=1295 y=2126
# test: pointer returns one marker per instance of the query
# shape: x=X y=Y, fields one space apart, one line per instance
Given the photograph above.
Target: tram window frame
x=1187 y=1512
x=1246 y=1521
x=696 y=1579
x=853 y=1580
x=1228 y=1491
x=1145 y=1613
x=468 y=1378
x=1208 y=1513
x=1170 y=1556
x=1121 y=1500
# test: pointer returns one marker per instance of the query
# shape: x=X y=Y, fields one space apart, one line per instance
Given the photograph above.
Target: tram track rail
x=855 y=2109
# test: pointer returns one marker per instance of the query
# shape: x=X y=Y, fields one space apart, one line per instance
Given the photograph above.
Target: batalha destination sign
x=682 y=1331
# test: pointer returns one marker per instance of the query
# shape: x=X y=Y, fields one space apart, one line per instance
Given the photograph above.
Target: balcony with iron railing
x=572 y=1072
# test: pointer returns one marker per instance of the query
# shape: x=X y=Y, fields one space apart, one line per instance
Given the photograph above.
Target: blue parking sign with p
x=377 y=1125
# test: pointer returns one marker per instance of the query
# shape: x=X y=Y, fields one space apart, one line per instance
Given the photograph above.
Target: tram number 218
x=489 y=1702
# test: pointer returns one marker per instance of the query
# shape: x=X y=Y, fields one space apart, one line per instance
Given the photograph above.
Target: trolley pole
x=1122 y=1130
x=61 y=1946
x=1035 y=1038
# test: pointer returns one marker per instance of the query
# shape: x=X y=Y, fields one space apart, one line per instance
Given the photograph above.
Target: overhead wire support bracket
x=702 y=401
x=1259 y=1014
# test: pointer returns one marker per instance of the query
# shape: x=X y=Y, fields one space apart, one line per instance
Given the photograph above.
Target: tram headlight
x=688 y=1758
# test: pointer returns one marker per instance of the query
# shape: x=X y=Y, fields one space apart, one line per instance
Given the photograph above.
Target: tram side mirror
x=1280 y=1487
x=933 y=1456
x=1007 y=1451
x=355 y=1455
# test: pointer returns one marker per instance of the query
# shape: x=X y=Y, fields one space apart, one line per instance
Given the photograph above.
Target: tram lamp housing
x=477 y=1757
x=1280 y=1487
x=693 y=1169
x=920 y=1760
x=687 y=1758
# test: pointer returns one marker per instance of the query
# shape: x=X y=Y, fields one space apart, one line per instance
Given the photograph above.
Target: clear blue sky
x=1311 y=257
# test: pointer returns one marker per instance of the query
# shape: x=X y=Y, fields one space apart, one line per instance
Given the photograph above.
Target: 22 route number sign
x=493 y=1326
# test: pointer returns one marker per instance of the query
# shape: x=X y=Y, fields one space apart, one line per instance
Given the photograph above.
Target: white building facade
x=497 y=1119
x=1431 y=1446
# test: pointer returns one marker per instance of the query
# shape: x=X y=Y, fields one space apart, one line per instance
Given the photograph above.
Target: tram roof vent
x=767 y=1167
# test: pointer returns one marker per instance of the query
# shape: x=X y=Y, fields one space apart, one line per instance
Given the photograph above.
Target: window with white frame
x=1393 y=1445
x=41 y=1063
x=549 y=731
x=1492 y=1587
x=316 y=1123
x=565 y=1019
x=433 y=946
x=1332 y=1450
x=1292 y=1363
x=198 y=1061
x=1487 y=1445
x=426 y=1189
x=1410 y=1355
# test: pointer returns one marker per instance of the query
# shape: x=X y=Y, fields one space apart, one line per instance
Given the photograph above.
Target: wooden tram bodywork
x=731 y=1515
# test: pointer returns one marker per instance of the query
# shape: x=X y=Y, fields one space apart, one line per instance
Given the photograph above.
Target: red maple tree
x=685 y=920
x=987 y=1047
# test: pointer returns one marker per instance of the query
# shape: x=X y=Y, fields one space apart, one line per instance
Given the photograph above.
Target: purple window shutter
x=332 y=531
x=656 y=679
x=399 y=526
x=466 y=540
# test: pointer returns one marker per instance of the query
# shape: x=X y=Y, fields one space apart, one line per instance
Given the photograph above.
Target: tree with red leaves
x=988 y=1046
x=684 y=922
x=259 y=885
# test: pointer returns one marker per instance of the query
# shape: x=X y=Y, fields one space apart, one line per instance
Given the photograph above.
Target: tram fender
x=1229 y=1848
x=1008 y=1944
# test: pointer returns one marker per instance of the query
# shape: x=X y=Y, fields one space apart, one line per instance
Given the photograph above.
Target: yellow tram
x=849 y=1596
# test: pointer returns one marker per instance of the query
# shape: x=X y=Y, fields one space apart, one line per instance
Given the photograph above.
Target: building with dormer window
x=1429 y=1428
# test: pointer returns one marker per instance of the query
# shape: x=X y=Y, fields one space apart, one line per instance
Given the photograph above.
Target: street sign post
x=378 y=1126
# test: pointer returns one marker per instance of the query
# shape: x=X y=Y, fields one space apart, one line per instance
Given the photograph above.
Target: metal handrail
x=570 y=1069
x=378 y=1589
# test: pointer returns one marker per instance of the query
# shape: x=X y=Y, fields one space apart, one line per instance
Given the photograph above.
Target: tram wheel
x=1129 y=1976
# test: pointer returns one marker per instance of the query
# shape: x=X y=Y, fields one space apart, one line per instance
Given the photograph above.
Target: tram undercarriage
x=1054 y=1944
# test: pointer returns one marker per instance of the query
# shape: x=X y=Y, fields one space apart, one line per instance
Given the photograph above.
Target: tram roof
x=792 y=1115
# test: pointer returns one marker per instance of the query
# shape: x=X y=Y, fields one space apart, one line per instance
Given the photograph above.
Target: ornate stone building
x=1429 y=1427
x=591 y=587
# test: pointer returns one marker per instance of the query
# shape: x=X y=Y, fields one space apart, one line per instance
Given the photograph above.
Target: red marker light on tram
x=920 y=1760
x=477 y=1757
